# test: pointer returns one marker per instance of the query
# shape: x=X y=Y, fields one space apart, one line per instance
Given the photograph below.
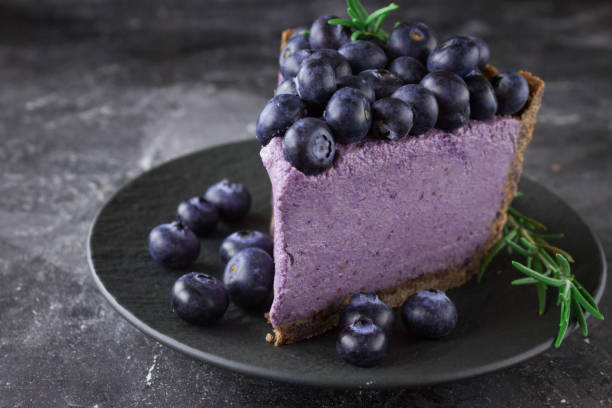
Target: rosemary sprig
x=546 y=266
x=365 y=25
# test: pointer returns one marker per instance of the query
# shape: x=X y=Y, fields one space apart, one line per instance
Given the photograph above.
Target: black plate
x=498 y=324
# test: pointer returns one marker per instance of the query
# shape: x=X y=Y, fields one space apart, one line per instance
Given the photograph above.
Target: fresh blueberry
x=316 y=81
x=458 y=54
x=309 y=146
x=424 y=106
x=287 y=87
x=382 y=81
x=429 y=314
x=325 y=35
x=512 y=91
x=231 y=199
x=277 y=115
x=292 y=63
x=452 y=96
x=408 y=69
x=174 y=245
x=240 y=240
x=248 y=278
x=363 y=55
x=484 y=54
x=348 y=115
x=413 y=40
x=340 y=65
x=362 y=343
x=392 y=119
x=483 y=102
x=198 y=214
x=356 y=82
x=370 y=306
x=301 y=30
x=287 y=62
x=199 y=298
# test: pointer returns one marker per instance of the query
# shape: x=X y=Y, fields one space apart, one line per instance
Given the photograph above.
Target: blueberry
x=301 y=30
x=362 y=343
x=325 y=35
x=424 y=106
x=198 y=214
x=370 y=306
x=174 y=245
x=340 y=65
x=429 y=314
x=392 y=119
x=309 y=146
x=363 y=55
x=512 y=92
x=316 y=81
x=292 y=63
x=356 y=82
x=287 y=62
x=452 y=96
x=382 y=81
x=348 y=114
x=484 y=54
x=458 y=54
x=248 y=278
x=277 y=115
x=240 y=240
x=231 y=199
x=199 y=298
x=287 y=87
x=483 y=102
x=408 y=69
x=413 y=40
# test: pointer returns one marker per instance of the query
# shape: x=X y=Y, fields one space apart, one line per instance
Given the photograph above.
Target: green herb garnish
x=545 y=266
x=365 y=25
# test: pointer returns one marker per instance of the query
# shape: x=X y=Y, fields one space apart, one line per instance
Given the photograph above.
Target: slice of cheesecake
x=391 y=217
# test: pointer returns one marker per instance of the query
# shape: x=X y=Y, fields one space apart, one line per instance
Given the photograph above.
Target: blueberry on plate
x=370 y=306
x=413 y=40
x=484 y=54
x=340 y=65
x=292 y=63
x=248 y=278
x=512 y=91
x=232 y=200
x=240 y=240
x=382 y=81
x=198 y=214
x=287 y=62
x=458 y=54
x=199 y=298
x=325 y=35
x=174 y=245
x=363 y=55
x=392 y=119
x=429 y=314
x=287 y=87
x=483 y=102
x=408 y=69
x=277 y=115
x=316 y=81
x=424 y=106
x=453 y=99
x=362 y=343
x=301 y=30
x=348 y=115
x=309 y=146
x=356 y=82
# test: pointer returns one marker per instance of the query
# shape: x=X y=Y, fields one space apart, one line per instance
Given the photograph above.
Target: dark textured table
x=95 y=92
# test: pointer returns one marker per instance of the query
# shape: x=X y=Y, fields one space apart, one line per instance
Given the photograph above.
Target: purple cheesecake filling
x=385 y=213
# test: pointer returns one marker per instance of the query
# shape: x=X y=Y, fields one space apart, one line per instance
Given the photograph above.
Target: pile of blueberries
x=200 y=298
x=340 y=91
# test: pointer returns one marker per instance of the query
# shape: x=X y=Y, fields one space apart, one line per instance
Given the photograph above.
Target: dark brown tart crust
x=452 y=276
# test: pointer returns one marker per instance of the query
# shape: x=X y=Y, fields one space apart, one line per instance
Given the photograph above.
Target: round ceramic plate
x=498 y=323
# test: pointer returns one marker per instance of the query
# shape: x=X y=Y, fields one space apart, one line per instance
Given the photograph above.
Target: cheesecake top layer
x=385 y=212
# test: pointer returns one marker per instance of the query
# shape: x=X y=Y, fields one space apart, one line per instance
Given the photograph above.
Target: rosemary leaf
x=542 y=278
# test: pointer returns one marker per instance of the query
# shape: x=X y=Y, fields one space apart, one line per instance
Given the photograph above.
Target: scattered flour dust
x=149 y=377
